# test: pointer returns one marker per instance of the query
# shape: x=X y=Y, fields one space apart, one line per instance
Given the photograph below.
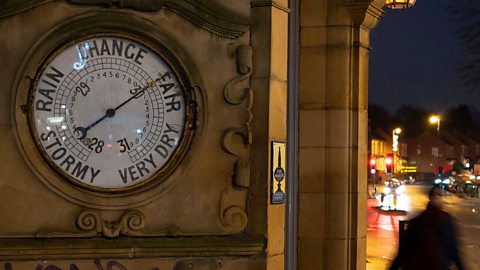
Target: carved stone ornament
x=232 y=215
x=205 y=14
x=244 y=69
x=130 y=224
x=93 y=223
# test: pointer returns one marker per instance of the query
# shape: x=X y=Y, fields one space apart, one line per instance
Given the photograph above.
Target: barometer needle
x=111 y=112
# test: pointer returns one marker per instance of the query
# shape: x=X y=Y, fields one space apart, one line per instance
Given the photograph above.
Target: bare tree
x=466 y=14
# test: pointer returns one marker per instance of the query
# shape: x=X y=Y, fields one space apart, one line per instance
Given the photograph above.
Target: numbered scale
x=108 y=112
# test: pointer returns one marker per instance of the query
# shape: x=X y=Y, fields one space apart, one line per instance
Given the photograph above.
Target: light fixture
x=395 y=133
x=399 y=4
x=435 y=119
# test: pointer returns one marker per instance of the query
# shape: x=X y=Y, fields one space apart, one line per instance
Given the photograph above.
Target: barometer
x=108 y=112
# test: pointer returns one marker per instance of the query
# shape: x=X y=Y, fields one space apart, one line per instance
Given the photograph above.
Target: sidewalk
x=382 y=232
x=374 y=263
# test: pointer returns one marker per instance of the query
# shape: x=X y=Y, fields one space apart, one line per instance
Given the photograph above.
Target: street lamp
x=399 y=4
x=395 y=134
x=435 y=119
x=373 y=170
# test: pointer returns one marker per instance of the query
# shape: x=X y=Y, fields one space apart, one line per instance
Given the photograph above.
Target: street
x=382 y=225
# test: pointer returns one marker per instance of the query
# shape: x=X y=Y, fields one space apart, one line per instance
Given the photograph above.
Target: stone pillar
x=269 y=38
x=333 y=100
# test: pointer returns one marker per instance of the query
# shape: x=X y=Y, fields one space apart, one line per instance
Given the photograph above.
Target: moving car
x=449 y=184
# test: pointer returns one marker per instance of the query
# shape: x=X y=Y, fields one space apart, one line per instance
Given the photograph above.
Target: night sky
x=413 y=59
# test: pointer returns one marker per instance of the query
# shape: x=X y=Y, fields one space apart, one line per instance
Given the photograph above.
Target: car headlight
x=438 y=181
x=446 y=181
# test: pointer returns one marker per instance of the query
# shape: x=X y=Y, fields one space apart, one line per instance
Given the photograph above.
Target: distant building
x=460 y=148
x=428 y=150
x=380 y=147
x=377 y=150
x=426 y=155
x=473 y=142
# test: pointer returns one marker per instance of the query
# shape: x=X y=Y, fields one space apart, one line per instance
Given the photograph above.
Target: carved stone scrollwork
x=90 y=221
x=244 y=68
x=230 y=145
x=236 y=141
x=241 y=168
x=232 y=215
x=234 y=218
x=130 y=223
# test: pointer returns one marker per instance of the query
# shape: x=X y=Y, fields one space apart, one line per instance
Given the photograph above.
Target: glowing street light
x=399 y=4
x=435 y=119
x=395 y=134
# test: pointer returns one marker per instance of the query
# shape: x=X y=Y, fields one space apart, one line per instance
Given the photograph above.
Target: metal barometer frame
x=107 y=25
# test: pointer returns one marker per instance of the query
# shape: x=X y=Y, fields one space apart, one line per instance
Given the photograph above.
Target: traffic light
x=372 y=165
x=389 y=164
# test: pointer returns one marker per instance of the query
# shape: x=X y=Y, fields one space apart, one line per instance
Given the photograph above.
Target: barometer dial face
x=108 y=112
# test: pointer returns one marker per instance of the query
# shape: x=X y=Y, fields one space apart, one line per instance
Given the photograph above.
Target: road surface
x=382 y=225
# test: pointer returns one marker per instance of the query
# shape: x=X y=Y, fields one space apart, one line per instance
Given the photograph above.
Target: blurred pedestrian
x=430 y=241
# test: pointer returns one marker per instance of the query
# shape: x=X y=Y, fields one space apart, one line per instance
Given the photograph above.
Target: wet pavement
x=383 y=224
x=382 y=235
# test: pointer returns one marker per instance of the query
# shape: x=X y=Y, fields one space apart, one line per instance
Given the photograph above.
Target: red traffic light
x=372 y=163
x=388 y=160
x=389 y=163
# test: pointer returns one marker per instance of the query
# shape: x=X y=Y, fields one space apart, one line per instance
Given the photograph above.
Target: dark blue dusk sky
x=413 y=58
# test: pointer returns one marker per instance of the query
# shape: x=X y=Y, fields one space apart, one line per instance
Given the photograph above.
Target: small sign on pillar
x=278 y=173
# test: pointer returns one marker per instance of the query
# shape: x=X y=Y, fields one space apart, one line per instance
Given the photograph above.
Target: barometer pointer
x=111 y=112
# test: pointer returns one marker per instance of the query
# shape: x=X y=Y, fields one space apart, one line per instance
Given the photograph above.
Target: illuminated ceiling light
x=399 y=4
